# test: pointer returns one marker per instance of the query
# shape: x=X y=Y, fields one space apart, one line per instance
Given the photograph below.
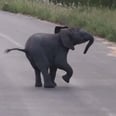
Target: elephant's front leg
x=67 y=68
x=53 y=74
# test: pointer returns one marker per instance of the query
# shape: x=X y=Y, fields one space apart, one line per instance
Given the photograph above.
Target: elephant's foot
x=54 y=83
x=66 y=78
x=38 y=85
x=50 y=85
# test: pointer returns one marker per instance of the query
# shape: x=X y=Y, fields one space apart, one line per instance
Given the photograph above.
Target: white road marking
x=10 y=40
x=108 y=112
x=113 y=51
x=111 y=46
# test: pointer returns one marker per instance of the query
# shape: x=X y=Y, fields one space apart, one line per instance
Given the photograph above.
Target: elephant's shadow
x=58 y=89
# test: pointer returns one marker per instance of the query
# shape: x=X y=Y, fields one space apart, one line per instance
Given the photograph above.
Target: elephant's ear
x=66 y=39
x=59 y=28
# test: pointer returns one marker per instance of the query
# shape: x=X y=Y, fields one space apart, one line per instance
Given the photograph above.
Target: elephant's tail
x=22 y=50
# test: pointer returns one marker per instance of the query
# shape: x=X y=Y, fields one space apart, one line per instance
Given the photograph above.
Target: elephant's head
x=74 y=36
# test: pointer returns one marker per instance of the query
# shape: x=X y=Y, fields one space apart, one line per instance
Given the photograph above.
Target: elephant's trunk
x=91 y=40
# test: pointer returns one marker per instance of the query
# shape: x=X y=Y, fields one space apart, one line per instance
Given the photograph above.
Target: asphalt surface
x=91 y=92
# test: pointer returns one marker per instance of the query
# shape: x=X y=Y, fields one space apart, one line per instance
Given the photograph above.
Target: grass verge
x=99 y=21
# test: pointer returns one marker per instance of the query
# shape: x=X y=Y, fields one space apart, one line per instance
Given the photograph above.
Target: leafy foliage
x=99 y=21
x=98 y=3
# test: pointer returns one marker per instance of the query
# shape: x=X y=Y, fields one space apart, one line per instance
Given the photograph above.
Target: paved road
x=91 y=92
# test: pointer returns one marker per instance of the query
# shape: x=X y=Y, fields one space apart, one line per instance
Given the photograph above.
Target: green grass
x=99 y=21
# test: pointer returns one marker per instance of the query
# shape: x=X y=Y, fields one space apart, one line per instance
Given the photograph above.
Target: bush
x=98 y=3
x=99 y=21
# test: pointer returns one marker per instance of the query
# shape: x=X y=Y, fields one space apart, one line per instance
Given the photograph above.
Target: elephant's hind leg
x=42 y=63
x=38 y=82
x=53 y=74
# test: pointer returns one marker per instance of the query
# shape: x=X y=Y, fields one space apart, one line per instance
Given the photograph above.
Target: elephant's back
x=34 y=39
x=38 y=40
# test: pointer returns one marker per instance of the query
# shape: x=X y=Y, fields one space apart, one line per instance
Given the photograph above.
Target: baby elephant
x=48 y=52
